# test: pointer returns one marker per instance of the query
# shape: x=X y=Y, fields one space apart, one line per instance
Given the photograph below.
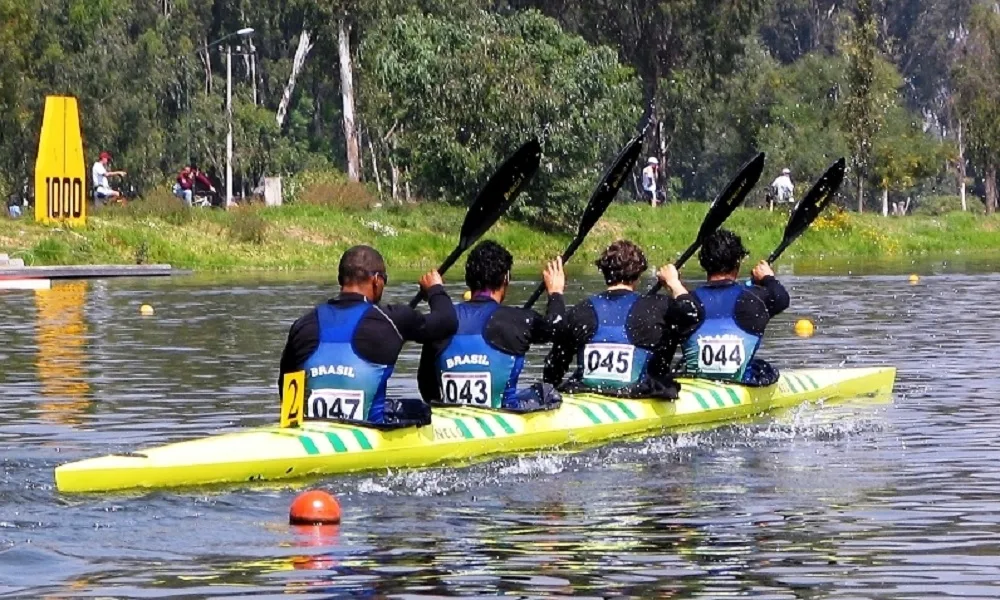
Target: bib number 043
x=609 y=362
x=721 y=354
x=335 y=404
x=467 y=388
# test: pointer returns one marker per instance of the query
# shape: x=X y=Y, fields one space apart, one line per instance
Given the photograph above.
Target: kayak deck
x=455 y=434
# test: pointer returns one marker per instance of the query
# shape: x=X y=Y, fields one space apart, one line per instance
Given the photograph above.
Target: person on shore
x=481 y=364
x=99 y=174
x=650 y=175
x=348 y=346
x=782 y=189
x=725 y=345
x=187 y=180
x=614 y=336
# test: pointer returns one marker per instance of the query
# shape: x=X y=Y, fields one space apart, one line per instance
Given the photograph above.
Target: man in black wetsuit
x=614 y=336
x=481 y=364
x=349 y=345
x=724 y=345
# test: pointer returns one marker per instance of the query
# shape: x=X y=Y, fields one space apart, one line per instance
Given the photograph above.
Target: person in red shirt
x=187 y=179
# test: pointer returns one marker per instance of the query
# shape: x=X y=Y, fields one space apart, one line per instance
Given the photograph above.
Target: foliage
x=248 y=227
x=934 y=206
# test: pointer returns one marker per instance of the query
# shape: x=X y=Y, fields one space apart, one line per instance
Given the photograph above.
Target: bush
x=248 y=227
x=330 y=189
x=934 y=206
x=158 y=204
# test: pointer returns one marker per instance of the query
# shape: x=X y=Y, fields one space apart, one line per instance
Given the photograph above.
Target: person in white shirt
x=782 y=189
x=99 y=175
x=649 y=177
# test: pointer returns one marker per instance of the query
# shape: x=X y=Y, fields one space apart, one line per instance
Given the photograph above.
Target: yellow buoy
x=146 y=310
x=914 y=279
x=467 y=295
x=804 y=328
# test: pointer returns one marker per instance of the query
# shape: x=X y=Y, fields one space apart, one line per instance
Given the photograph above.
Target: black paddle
x=721 y=208
x=600 y=200
x=806 y=211
x=493 y=201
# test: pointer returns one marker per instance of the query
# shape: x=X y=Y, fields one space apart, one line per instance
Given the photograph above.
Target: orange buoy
x=314 y=507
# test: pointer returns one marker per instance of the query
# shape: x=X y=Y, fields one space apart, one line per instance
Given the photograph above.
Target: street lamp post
x=244 y=32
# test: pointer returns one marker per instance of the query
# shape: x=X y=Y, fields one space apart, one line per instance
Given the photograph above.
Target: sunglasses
x=382 y=274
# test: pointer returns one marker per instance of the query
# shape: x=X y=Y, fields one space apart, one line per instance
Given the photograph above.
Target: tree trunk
x=861 y=194
x=991 y=188
x=378 y=178
x=347 y=92
x=961 y=167
x=297 y=63
x=885 y=202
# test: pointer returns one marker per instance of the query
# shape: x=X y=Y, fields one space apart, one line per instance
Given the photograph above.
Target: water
x=886 y=500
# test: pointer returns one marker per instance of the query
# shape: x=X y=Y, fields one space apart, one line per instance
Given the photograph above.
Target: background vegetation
x=436 y=92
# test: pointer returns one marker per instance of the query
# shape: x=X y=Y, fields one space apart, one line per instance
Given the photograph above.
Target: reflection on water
x=61 y=341
x=860 y=500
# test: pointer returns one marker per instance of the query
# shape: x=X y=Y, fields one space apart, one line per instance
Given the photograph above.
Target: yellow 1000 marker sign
x=60 y=173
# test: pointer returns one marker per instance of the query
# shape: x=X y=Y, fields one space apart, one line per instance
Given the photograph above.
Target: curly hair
x=722 y=252
x=622 y=262
x=488 y=266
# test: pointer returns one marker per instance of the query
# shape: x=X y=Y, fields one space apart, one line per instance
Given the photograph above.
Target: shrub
x=157 y=204
x=247 y=226
x=330 y=189
x=934 y=206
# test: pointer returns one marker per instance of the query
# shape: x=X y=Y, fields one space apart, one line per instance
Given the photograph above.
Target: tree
x=977 y=82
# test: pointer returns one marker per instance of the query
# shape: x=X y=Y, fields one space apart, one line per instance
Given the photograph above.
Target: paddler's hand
x=671 y=279
x=762 y=270
x=554 y=277
x=429 y=280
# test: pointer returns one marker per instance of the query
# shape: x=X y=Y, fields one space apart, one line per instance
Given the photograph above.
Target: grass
x=313 y=235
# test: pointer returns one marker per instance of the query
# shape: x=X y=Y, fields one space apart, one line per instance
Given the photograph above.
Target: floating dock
x=15 y=276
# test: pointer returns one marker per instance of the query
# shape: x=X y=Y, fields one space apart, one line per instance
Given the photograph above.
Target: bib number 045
x=335 y=404
x=722 y=354
x=467 y=388
x=609 y=362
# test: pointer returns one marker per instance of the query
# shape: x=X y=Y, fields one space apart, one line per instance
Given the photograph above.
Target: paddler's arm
x=544 y=329
x=580 y=323
x=303 y=339
x=428 y=378
x=769 y=289
x=440 y=323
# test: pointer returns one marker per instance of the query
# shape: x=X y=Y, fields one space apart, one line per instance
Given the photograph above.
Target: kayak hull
x=456 y=434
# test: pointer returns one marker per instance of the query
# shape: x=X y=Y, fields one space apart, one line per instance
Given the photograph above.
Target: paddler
x=724 y=346
x=614 y=336
x=348 y=346
x=481 y=364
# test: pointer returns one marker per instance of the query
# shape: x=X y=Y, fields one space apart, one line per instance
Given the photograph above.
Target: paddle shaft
x=448 y=262
x=680 y=263
x=570 y=250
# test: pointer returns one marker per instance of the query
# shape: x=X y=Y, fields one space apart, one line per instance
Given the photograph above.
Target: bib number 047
x=335 y=404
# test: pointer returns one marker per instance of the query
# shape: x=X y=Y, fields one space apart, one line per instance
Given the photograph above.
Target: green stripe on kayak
x=712 y=390
x=466 y=432
x=607 y=410
x=362 y=439
x=801 y=383
x=590 y=415
x=698 y=397
x=335 y=441
x=486 y=428
x=734 y=396
x=504 y=424
x=812 y=381
x=308 y=445
x=628 y=413
x=791 y=384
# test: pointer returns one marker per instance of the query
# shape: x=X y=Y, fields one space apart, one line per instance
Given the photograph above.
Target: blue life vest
x=339 y=383
x=471 y=370
x=610 y=359
x=720 y=349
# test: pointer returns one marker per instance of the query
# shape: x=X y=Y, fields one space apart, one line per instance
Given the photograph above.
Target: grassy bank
x=310 y=237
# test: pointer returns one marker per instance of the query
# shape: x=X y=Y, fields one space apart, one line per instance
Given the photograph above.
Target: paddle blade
x=811 y=205
x=500 y=192
x=612 y=181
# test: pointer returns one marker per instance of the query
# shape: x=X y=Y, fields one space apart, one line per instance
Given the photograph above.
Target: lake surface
x=895 y=499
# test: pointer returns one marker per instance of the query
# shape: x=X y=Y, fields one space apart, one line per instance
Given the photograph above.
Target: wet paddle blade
x=600 y=200
x=811 y=205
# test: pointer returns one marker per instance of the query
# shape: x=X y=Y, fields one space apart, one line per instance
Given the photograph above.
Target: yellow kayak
x=455 y=435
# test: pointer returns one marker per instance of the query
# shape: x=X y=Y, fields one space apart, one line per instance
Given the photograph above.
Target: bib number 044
x=722 y=354
x=609 y=362
x=335 y=404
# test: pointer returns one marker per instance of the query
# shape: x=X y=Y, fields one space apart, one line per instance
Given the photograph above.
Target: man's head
x=721 y=254
x=786 y=171
x=362 y=270
x=105 y=157
x=623 y=263
x=487 y=269
x=653 y=162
